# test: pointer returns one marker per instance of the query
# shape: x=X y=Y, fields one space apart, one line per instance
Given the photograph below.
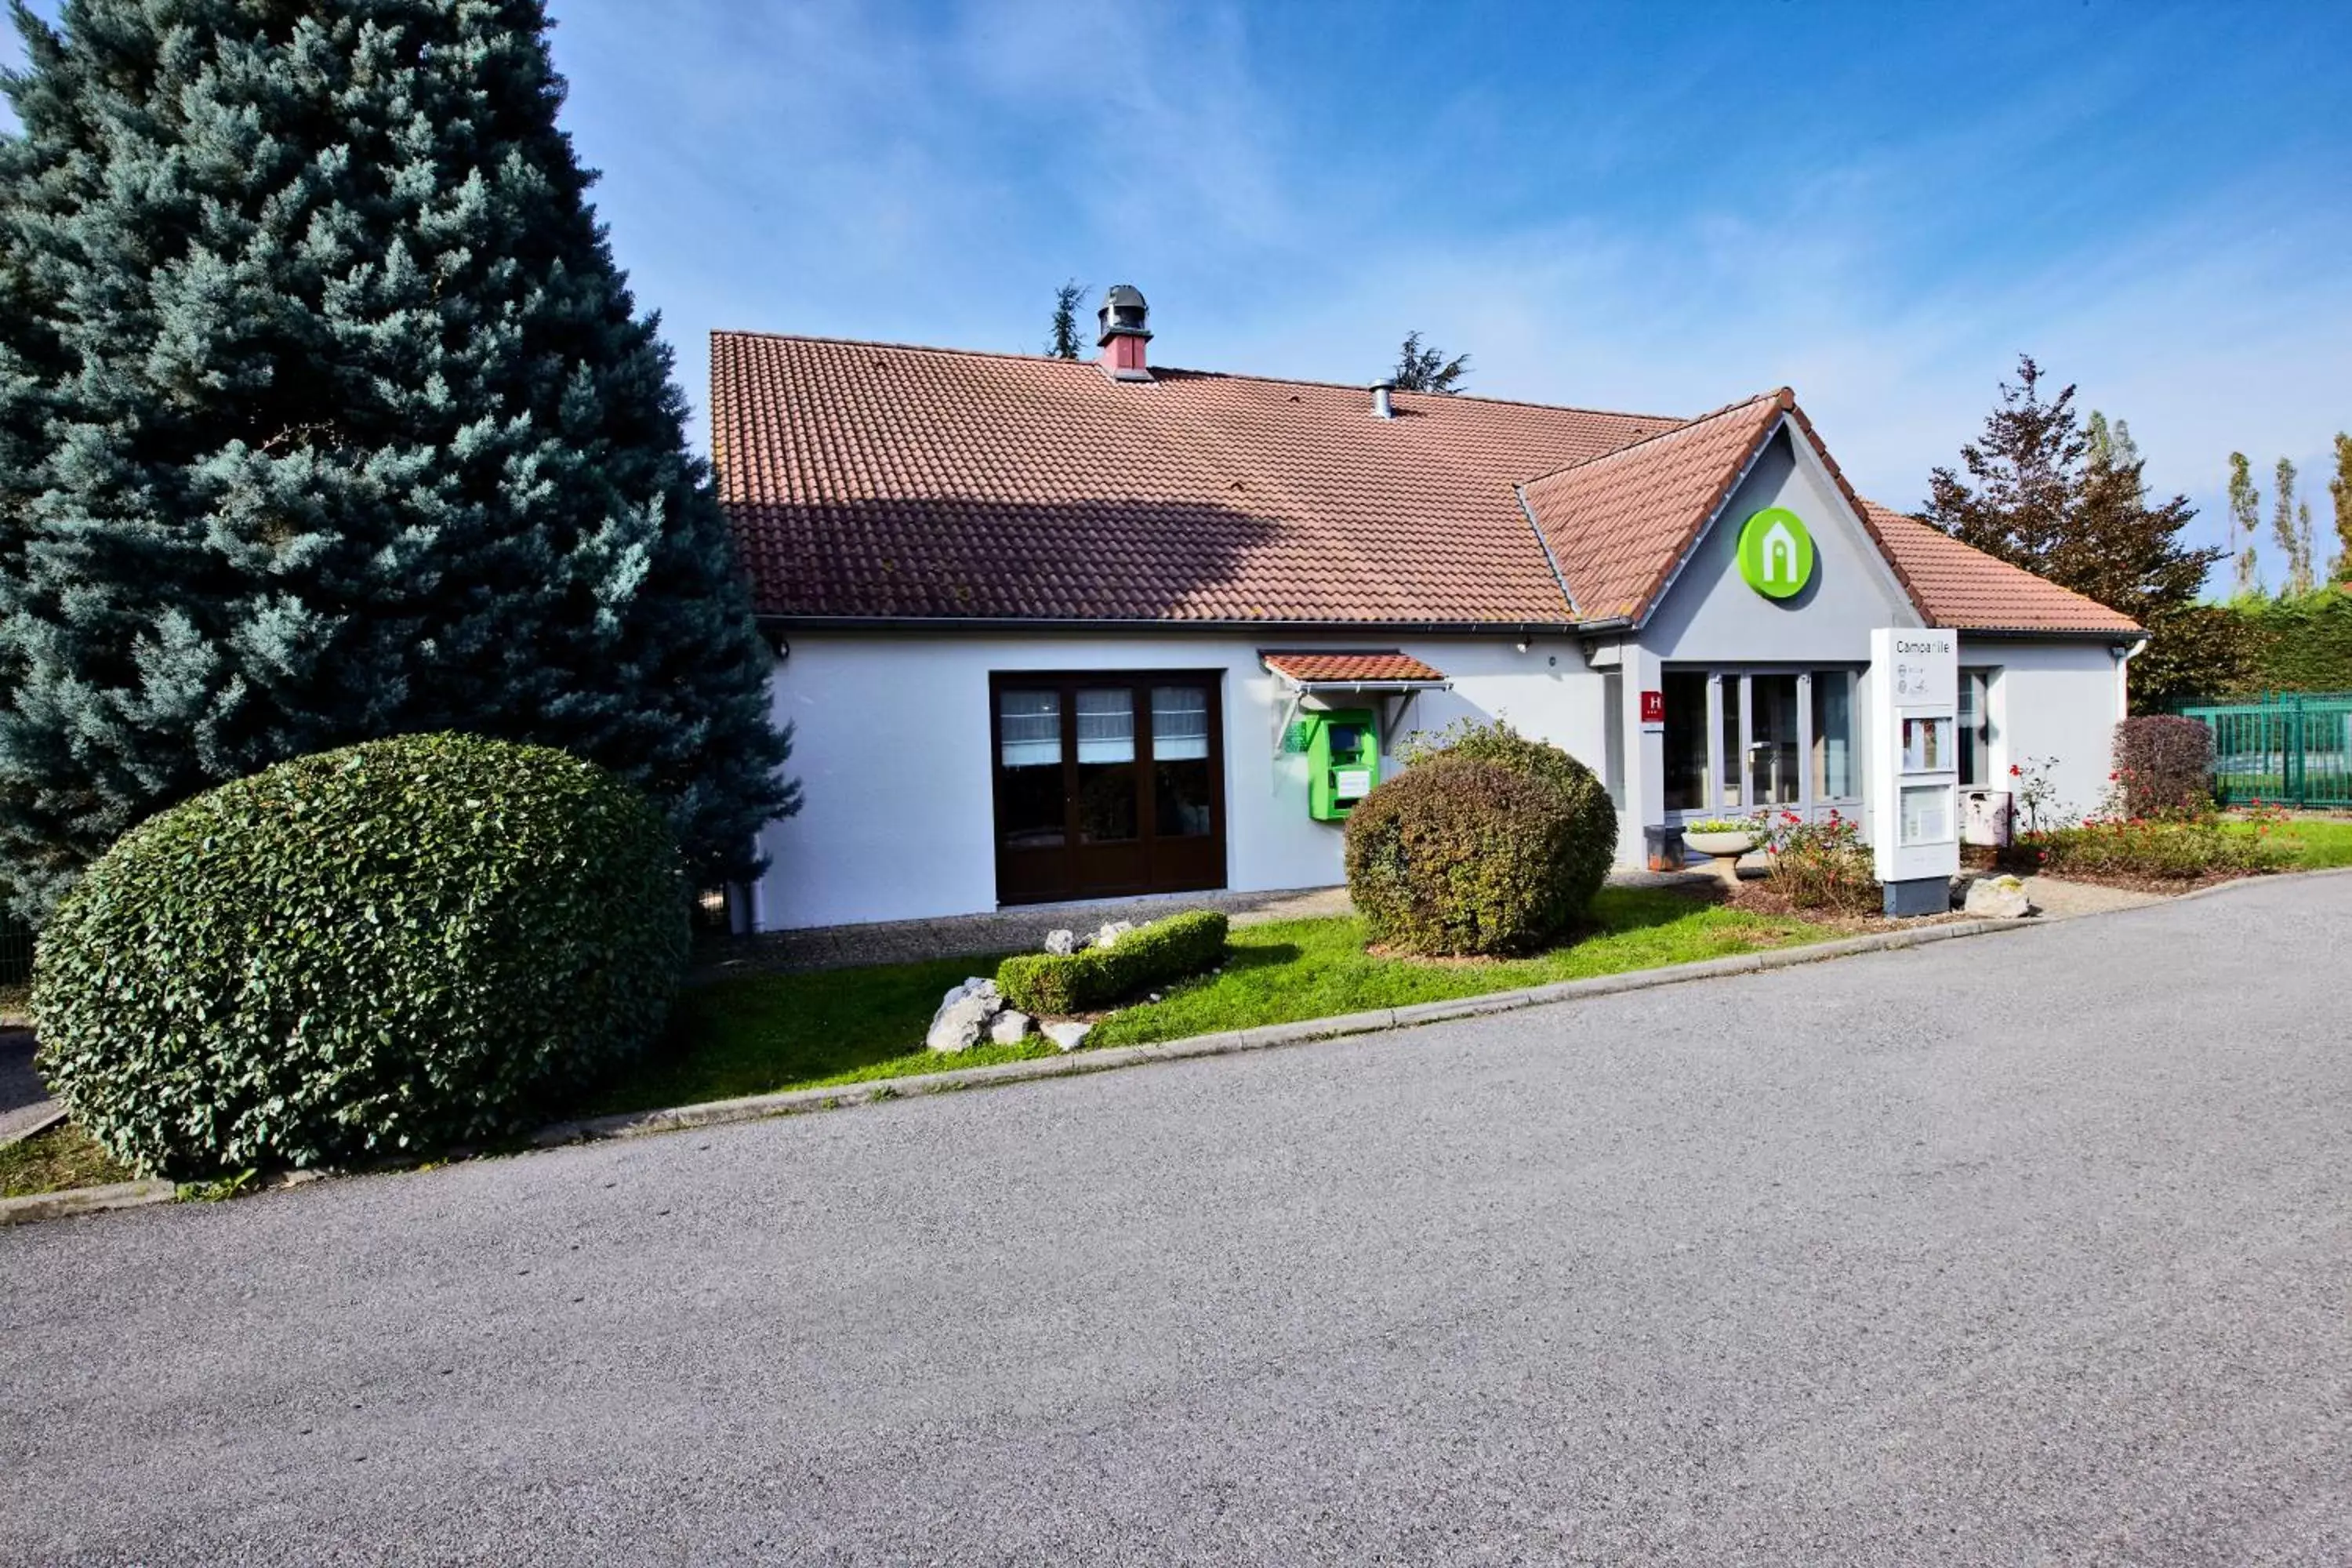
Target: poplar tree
x=324 y=414
x=2111 y=445
x=2245 y=517
x=2034 y=492
x=2339 y=491
x=2293 y=543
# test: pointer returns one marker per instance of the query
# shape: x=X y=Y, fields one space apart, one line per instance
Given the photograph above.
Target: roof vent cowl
x=1123 y=317
x=1383 y=400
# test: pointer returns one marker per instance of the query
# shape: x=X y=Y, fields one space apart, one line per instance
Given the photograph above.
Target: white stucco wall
x=891 y=747
x=2057 y=702
x=1710 y=615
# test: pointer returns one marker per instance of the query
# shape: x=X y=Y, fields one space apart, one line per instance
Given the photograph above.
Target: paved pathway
x=24 y=1103
x=1006 y=931
x=2029 y=1249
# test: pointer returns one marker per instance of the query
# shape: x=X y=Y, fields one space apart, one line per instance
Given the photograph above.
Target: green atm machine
x=1343 y=761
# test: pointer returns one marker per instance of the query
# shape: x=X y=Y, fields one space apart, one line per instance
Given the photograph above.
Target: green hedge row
x=2305 y=643
x=1154 y=954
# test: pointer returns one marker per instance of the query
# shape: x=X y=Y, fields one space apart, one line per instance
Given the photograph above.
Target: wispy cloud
x=1603 y=207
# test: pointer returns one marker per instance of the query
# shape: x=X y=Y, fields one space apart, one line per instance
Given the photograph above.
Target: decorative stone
x=1109 y=934
x=1011 y=1027
x=963 y=1013
x=1068 y=1036
x=1998 y=898
x=1061 y=943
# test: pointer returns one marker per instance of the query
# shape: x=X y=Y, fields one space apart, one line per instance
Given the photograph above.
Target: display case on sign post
x=1914 y=767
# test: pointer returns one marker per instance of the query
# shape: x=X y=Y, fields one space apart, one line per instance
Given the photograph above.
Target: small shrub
x=1149 y=956
x=392 y=948
x=1821 y=865
x=1461 y=856
x=2164 y=768
x=2157 y=851
x=2035 y=793
x=1592 y=817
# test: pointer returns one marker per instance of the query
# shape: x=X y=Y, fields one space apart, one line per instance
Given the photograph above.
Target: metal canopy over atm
x=1390 y=678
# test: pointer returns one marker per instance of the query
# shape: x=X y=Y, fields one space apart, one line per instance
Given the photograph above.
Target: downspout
x=2123 y=656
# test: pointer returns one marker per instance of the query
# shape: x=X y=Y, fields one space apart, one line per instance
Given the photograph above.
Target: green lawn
x=2312 y=844
x=54 y=1160
x=765 y=1033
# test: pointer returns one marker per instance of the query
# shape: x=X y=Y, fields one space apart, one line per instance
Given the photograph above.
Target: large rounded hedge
x=1592 y=817
x=392 y=948
x=1458 y=855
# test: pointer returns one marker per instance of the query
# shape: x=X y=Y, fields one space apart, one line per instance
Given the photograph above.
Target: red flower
x=2015 y=770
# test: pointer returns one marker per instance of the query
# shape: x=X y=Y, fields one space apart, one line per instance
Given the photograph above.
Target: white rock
x=1061 y=943
x=957 y=1025
x=1069 y=1037
x=1998 y=898
x=1110 y=933
x=1011 y=1027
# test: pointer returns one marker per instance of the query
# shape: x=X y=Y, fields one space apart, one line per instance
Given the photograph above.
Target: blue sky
x=1658 y=208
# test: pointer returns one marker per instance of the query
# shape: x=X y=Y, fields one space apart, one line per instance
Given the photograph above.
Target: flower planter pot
x=1726 y=848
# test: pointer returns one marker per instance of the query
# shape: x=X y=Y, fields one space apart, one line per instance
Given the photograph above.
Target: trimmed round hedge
x=388 y=949
x=1592 y=817
x=1460 y=856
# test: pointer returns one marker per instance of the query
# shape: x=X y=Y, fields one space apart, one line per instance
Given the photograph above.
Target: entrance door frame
x=1730 y=682
x=1145 y=864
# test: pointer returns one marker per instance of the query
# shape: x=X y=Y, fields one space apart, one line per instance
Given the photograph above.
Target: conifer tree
x=2036 y=494
x=1419 y=369
x=1062 y=338
x=324 y=414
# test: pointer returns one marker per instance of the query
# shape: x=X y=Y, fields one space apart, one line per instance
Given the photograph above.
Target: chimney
x=1124 y=334
x=1382 y=408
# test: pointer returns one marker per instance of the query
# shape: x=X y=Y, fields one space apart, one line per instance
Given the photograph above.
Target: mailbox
x=1343 y=761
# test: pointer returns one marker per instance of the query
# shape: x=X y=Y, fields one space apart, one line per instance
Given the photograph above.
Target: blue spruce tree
x=324 y=414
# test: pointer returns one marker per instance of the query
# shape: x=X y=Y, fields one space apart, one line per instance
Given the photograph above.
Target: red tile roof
x=1386 y=665
x=882 y=481
x=1616 y=524
x=1966 y=588
x=867 y=479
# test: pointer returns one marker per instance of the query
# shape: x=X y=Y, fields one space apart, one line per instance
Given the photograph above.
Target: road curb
x=789 y=1103
x=85 y=1200
x=46 y=1119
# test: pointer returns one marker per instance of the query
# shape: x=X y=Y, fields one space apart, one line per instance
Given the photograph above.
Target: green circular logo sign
x=1776 y=554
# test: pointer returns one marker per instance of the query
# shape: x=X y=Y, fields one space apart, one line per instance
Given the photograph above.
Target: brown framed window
x=1107 y=782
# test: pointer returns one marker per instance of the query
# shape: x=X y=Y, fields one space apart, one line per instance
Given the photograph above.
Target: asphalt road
x=2028 y=1248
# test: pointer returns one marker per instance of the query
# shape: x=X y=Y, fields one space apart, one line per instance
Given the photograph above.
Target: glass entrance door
x=1769 y=739
x=1773 y=744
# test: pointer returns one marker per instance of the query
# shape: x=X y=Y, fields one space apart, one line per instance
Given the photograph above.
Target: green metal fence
x=2293 y=747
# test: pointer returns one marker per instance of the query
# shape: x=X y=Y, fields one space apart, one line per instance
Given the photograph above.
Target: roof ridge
x=717 y=332
x=1784 y=398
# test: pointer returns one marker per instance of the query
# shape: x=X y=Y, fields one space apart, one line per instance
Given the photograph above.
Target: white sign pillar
x=1915 y=762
